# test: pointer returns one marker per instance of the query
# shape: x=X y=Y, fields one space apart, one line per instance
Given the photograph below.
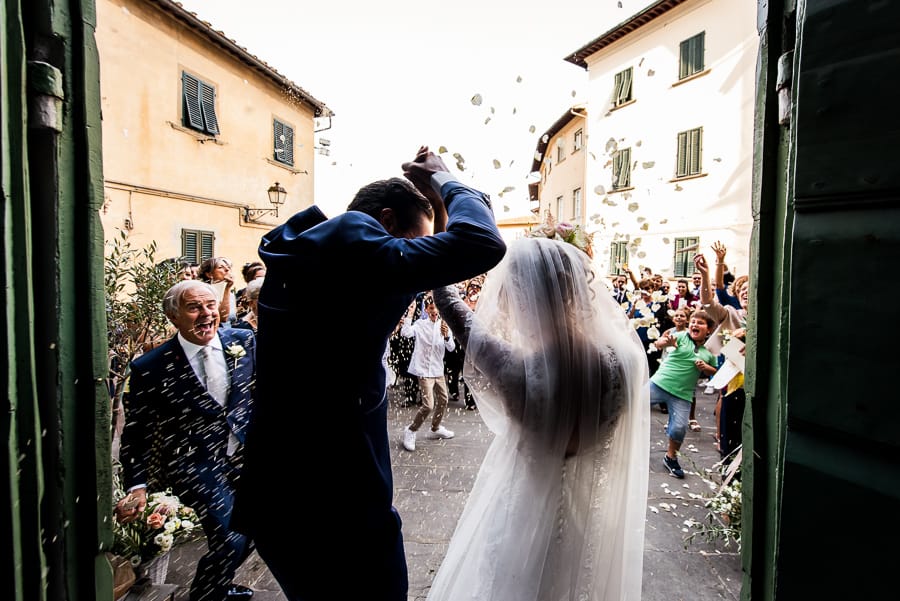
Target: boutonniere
x=235 y=351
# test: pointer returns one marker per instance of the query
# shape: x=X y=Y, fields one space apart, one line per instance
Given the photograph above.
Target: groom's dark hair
x=395 y=193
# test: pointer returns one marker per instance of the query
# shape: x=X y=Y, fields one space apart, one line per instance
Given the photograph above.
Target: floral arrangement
x=574 y=234
x=723 y=518
x=164 y=523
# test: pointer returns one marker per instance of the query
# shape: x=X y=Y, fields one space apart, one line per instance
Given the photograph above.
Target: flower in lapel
x=236 y=351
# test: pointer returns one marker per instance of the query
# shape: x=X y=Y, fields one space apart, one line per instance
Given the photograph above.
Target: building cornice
x=205 y=30
x=657 y=9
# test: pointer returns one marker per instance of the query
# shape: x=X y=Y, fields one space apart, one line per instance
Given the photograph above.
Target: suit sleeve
x=140 y=426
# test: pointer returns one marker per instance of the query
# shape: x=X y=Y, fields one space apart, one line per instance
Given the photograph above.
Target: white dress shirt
x=428 y=353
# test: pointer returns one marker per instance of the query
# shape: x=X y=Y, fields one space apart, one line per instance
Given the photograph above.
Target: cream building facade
x=196 y=130
x=668 y=137
x=559 y=160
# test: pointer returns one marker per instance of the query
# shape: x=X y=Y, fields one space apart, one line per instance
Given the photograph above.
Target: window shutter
x=208 y=103
x=192 y=115
x=681 y=167
x=623 y=86
x=695 y=144
x=189 y=246
x=206 y=245
x=284 y=142
x=691 y=52
x=625 y=169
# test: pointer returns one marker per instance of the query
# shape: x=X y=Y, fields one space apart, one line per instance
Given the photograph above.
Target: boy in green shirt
x=674 y=382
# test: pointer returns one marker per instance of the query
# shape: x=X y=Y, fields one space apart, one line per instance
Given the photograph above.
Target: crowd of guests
x=684 y=331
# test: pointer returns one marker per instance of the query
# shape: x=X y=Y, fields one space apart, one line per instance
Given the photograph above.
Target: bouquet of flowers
x=164 y=523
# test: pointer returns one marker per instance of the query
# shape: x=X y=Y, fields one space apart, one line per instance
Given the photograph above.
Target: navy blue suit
x=333 y=293
x=176 y=436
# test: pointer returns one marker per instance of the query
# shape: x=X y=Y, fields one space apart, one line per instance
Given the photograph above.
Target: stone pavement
x=432 y=484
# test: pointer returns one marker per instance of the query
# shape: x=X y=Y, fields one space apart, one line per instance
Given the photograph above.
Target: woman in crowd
x=217 y=271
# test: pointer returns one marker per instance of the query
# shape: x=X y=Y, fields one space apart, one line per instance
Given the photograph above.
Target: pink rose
x=156 y=521
x=565 y=230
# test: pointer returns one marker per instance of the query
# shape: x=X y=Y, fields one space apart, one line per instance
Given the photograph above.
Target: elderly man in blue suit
x=187 y=408
x=334 y=291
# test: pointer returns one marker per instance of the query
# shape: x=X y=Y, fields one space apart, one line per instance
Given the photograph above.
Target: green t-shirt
x=677 y=374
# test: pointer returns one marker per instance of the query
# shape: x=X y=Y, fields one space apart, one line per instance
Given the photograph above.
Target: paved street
x=431 y=488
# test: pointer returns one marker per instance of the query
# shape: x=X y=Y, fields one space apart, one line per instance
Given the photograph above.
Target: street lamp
x=277 y=194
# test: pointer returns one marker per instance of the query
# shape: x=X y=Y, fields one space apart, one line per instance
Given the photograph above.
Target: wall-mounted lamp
x=277 y=194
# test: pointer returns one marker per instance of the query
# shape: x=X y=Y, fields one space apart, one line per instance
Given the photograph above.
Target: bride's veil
x=560 y=377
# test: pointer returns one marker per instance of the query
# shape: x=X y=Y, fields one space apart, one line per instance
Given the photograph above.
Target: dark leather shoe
x=236 y=591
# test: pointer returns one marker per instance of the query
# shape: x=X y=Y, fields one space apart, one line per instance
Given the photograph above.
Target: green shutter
x=283 y=142
x=192 y=114
x=691 y=55
x=208 y=104
x=189 y=245
x=696 y=146
x=207 y=240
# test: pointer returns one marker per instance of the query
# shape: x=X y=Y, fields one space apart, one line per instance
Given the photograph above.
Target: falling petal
x=442 y=149
x=718 y=159
x=641 y=219
x=663 y=221
x=496 y=164
x=514 y=110
x=678 y=188
x=487 y=120
x=665 y=240
x=619 y=3
x=531 y=129
x=477 y=99
x=648 y=164
x=460 y=165
x=645 y=227
x=599 y=190
x=641 y=255
x=632 y=207
x=508 y=189
x=574 y=93
x=512 y=162
x=506 y=208
x=492 y=110
x=611 y=145
x=519 y=79
x=650 y=72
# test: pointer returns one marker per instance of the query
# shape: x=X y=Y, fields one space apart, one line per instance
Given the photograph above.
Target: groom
x=316 y=492
x=187 y=407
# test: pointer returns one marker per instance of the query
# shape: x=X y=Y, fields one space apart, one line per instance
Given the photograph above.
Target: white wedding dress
x=559 y=375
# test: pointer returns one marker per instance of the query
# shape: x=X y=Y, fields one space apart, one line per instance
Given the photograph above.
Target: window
x=284 y=142
x=621 y=169
x=197 y=246
x=560 y=151
x=618 y=256
x=623 y=87
x=685 y=250
x=559 y=208
x=576 y=205
x=579 y=140
x=690 y=55
x=690 y=148
x=198 y=109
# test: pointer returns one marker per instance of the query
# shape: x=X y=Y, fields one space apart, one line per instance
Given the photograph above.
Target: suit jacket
x=334 y=291
x=175 y=433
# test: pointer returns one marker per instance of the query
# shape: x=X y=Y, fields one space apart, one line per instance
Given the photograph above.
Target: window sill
x=687 y=177
x=197 y=135
x=623 y=105
x=286 y=167
x=620 y=190
x=697 y=75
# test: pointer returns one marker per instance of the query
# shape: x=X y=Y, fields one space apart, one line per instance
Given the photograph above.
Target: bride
x=559 y=375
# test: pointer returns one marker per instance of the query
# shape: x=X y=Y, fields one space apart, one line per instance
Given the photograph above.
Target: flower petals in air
x=477 y=99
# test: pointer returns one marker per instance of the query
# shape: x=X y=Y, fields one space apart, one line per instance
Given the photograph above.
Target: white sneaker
x=709 y=390
x=408 y=438
x=441 y=432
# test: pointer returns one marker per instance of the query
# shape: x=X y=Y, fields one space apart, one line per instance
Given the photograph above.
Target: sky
x=483 y=79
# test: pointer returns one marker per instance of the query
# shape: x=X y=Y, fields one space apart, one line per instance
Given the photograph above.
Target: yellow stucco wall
x=162 y=177
x=561 y=178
